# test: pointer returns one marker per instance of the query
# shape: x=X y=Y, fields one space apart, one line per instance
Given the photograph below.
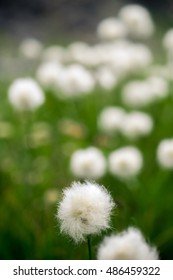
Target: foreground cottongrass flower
x=125 y=162
x=137 y=124
x=88 y=163
x=111 y=28
x=137 y=20
x=25 y=94
x=165 y=153
x=85 y=209
x=110 y=119
x=127 y=245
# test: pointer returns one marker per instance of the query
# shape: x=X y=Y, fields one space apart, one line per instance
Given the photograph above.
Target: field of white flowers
x=86 y=146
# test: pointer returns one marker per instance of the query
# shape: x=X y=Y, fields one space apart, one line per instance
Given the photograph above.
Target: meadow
x=78 y=82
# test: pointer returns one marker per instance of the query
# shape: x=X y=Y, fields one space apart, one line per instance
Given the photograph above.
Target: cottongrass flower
x=165 y=153
x=106 y=78
x=110 y=119
x=25 y=94
x=137 y=20
x=125 y=162
x=126 y=57
x=85 y=209
x=56 y=54
x=31 y=48
x=137 y=124
x=88 y=163
x=76 y=52
x=48 y=74
x=76 y=81
x=137 y=94
x=111 y=28
x=168 y=43
x=159 y=86
x=127 y=245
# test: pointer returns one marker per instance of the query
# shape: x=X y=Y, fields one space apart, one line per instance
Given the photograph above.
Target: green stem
x=89 y=248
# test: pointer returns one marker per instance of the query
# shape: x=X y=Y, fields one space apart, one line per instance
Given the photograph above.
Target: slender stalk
x=89 y=248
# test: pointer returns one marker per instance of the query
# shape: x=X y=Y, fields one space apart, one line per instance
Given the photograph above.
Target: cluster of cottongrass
x=119 y=75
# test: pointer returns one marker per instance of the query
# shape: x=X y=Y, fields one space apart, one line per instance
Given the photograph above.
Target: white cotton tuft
x=125 y=162
x=31 y=48
x=88 y=163
x=110 y=119
x=76 y=81
x=137 y=20
x=25 y=94
x=137 y=124
x=111 y=28
x=48 y=74
x=85 y=209
x=127 y=245
x=165 y=153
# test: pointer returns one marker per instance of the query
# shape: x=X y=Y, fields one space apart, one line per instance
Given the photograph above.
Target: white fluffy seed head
x=85 y=209
x=110 y=119
x=55 y=54
x=111 y=28
x=165 y=153
x=31 y=48
x=48 y=74
x=137 y=124
x=137 y=94
x=76 y=81
x=88 y=163
x=127 y=245
x=168 y=41
x=105 y=77
x=159 y=86
x=137 y=20
x=25 y=94
x=125 y=162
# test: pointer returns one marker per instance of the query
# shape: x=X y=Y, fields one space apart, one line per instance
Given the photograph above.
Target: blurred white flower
x=88 y=163
x=165 y=153
x=55 y=54
x=111 y=28
x=137 y=124
x=48 y=74
x=137 y=94
x=110 y=119
x=77 y=51
x=137 y=20
x=159 y=86
x=31 y=48
x=125 y=162
x=105 y=77
x=168 y=43
x=127 y=57
x=129 y=244
x=141 y=56
x=85 y=209
x=76 y=81
x=25 y=94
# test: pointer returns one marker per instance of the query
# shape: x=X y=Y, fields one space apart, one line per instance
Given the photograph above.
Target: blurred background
x=51 y=20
